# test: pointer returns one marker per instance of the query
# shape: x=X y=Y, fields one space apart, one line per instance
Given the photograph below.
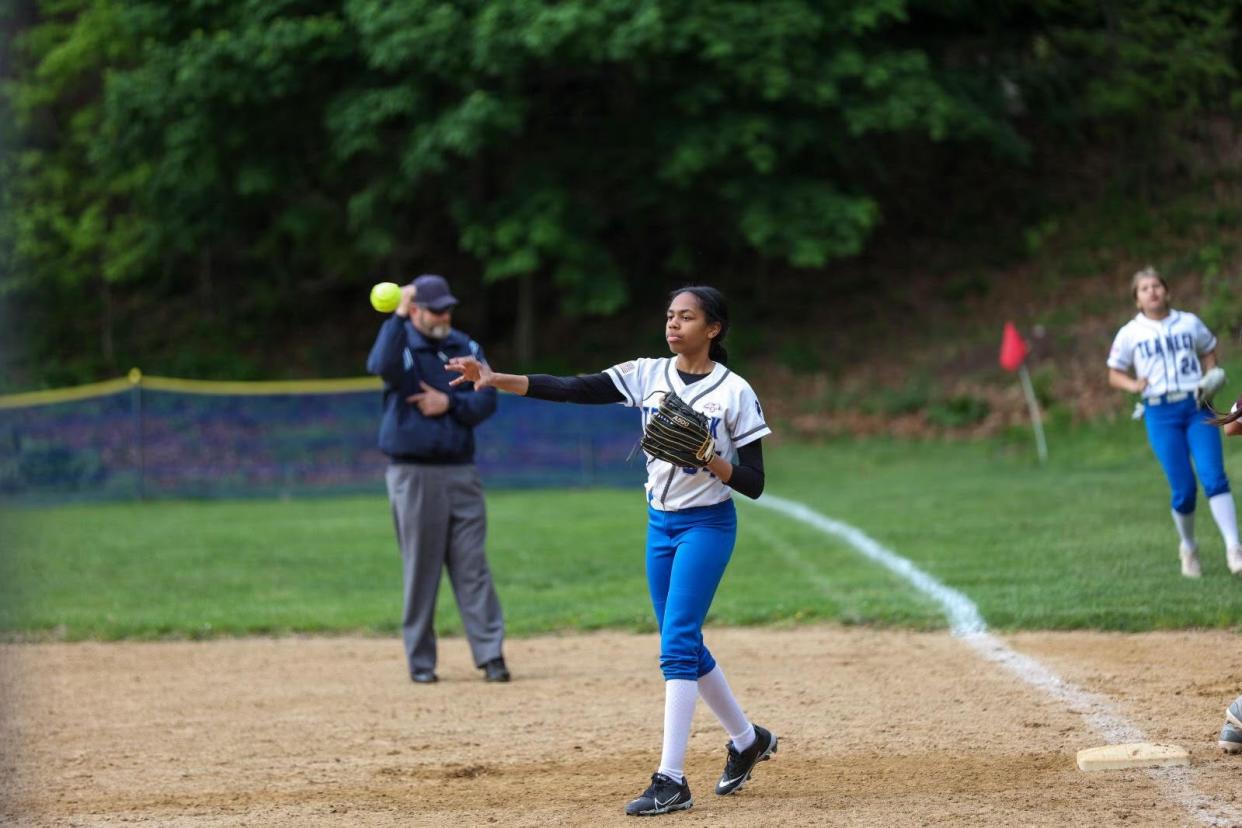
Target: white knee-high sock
x=679 y=698
x=1226 y=518
x=1185 y=527
x=716 y=692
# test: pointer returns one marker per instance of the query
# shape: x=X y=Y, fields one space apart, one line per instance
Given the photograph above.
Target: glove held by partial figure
x=1211 y=382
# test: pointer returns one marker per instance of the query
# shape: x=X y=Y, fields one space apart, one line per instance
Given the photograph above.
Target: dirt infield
x=877 y=728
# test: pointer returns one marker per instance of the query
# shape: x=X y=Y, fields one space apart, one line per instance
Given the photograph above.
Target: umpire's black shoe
x=741 y=762
x=495 y=670
x=663 y=796
x=423 y=677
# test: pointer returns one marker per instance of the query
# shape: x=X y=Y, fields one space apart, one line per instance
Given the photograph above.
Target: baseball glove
x=679 y=434
x=1207 y=387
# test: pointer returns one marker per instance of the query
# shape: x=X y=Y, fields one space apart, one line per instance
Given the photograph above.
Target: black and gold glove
x=679 y=434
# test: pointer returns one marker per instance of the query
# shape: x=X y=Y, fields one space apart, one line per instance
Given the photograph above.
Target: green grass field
x=1085 y=542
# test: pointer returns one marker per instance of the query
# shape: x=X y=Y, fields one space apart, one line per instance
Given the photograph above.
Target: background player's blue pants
x=1176 y=432
x=687 y=553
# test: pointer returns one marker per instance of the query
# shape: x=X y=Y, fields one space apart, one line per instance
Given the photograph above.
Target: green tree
x=64 y=234
x=221 y=155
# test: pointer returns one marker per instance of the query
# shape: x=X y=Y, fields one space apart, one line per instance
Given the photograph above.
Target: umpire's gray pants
x=441 y=521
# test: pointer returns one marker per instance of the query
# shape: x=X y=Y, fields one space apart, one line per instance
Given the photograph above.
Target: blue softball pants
x=1177 y=432
x=687 y=552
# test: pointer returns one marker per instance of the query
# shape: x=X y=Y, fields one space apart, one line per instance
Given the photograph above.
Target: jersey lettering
x=1169 y=344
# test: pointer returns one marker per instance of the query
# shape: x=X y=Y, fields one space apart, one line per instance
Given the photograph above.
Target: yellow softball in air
x=385 y=297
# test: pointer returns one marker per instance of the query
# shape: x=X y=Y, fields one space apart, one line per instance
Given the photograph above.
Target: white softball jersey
x=1163 y=351
x=733 y=414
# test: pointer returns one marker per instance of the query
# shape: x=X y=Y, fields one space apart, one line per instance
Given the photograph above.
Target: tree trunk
x=107 y=341
x=524 y=332
x=205 y=283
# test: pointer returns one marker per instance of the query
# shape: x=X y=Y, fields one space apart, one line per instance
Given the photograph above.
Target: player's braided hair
x=1219 y=419
x=1224 y=419
x=712 y=303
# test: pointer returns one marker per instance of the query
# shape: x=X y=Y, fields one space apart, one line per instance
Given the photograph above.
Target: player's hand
x=1139 y=385
x=471 y=370
x=431 y=402
x=407 y=299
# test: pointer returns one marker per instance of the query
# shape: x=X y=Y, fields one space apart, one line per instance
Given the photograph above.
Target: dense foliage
x=195 y=164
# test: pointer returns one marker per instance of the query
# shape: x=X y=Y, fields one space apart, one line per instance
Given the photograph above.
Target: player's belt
x=1167 y=398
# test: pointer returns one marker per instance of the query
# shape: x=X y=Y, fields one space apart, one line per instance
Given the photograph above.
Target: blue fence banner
x=158 y=437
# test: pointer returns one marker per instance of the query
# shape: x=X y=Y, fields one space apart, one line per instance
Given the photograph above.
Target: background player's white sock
x=719 y=697
x=679 y=698
x=1226 y=518
x=1185 y=527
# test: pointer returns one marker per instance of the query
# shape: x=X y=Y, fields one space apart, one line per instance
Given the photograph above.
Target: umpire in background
x=427 y=431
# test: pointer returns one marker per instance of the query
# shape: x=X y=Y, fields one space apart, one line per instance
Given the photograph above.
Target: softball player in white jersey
x=691 y=522
x=1169 y=357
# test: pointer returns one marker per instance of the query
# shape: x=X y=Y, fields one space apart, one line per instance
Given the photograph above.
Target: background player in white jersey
x=1172 y=356
x=691 y=525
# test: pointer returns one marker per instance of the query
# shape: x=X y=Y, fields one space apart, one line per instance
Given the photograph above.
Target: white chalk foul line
x=967 y=623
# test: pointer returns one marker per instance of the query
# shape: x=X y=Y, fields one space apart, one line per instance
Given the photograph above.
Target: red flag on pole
x=1013 y=348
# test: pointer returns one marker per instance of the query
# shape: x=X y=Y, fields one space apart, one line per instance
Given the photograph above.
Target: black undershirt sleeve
x=747 y=476
x=591 y=389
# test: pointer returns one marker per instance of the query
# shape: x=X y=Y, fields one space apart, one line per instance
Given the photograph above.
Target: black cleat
x=740 y=763
x=663 y=796
x=423 y=677
x=495 y=670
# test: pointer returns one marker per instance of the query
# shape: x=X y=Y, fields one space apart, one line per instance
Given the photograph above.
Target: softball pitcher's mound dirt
x=876 y=728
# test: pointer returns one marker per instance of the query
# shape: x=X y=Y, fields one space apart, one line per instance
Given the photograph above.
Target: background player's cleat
x=1230 y=738
x=1233 y=713
x=495 y=670
x=1190 y=561
x=423 y=677
x=1234 y=557
x=663 y=796
x=740 y=763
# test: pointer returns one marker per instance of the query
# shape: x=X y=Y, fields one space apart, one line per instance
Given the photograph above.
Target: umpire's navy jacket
x=403 y=357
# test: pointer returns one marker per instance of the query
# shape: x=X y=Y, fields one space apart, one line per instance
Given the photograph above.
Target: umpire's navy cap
x=432 y=292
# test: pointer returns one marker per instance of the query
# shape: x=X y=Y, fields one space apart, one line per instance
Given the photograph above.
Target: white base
x=1133 y=755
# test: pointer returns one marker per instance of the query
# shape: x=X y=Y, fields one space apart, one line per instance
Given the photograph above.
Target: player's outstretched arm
x=482 y=375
